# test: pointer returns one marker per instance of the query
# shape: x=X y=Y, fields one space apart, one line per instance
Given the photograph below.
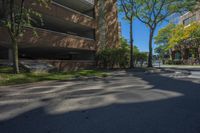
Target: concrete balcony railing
x=47 y=38
x=82 y=6
x=59 y=11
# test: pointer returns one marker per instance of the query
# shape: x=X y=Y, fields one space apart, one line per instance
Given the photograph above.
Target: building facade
x=188 y=52
x=72 y=32
x=189 y=17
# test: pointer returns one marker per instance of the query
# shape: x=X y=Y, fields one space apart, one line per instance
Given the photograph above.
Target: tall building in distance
x=73 y=31
x=189 y=17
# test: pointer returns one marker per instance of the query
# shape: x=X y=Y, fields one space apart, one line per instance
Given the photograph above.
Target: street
x=126 y=102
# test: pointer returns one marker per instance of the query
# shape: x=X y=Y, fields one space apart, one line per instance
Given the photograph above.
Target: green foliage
x=172 y=36
x=16 y=16
x=113 y=58
x=127 y=9
x=140 y=57
x=154 y=12
x=182 y=35
x=136 y=50
x=119 y=57
x=161 y=50
x=173 y=62
x=164 y=35
x=7 y=78
x=177 y=35
x=21 y=15
x=162 y=40
x=124 y=43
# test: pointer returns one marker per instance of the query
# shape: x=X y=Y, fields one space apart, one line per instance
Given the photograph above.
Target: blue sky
x=141 y=33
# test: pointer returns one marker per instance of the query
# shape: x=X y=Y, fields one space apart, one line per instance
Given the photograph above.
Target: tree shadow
x=166 y=105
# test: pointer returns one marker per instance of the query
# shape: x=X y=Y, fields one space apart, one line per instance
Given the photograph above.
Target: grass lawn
x=7 y=78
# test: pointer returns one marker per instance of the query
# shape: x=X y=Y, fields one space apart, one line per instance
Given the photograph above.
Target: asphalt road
x=129 y=102
x=193 y=71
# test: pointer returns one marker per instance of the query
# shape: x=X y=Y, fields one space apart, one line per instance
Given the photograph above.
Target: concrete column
x=102 y=24
x=107 y=33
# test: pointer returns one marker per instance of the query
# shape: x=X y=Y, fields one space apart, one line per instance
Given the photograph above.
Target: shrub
x=140 y=58
x=169 y=62
x=113 y=58
x=174 y=62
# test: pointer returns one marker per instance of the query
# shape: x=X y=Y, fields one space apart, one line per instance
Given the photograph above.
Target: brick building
x=73 y=31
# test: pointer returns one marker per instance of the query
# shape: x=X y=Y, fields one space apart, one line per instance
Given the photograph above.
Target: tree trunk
x=12 y=33
x=150 y=64
x=131 y=45
x=15 y=56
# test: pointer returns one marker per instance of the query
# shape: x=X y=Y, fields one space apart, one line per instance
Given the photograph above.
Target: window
x=189 y=20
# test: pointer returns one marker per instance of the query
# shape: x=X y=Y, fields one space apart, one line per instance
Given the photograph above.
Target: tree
x=192 y=32
x=16 y=17
x=154 y=12
x=162 y=40
x=177 y=36
x=127 y=8
x=164 y=35
x=142 y=56
x=182 y=35
x=161 y=50
x=125 y=45
x=138 y=55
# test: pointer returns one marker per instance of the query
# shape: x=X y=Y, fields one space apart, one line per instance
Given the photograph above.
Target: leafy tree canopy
x=153 y=12
x=164 y=35
x=125 y=45
x=181 y=34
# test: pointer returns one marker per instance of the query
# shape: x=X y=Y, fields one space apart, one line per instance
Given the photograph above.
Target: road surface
x=127 y=102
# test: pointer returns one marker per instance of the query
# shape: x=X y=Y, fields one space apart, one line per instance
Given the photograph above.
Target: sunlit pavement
x=193 y=71
x=127 y=102
x=197 y=68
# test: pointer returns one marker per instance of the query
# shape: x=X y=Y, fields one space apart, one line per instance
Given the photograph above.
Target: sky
x=141 y=33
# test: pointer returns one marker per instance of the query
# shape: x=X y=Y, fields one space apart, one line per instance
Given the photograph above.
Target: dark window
x=189 y=20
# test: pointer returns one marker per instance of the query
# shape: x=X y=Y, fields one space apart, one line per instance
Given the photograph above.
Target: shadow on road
x=135 y=103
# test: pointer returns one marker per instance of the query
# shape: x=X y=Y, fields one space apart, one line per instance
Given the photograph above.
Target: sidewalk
x=181 y=66
x=193 y=71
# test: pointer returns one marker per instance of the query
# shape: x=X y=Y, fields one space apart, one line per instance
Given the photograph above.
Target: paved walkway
x=181 y=67
x=129 y=102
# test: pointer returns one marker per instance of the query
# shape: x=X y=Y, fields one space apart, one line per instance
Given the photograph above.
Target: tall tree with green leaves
x=162 y=40
x=154 y=12
x=164 y=35
x=127 y=8
x=16 y=17
x=182 y=35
